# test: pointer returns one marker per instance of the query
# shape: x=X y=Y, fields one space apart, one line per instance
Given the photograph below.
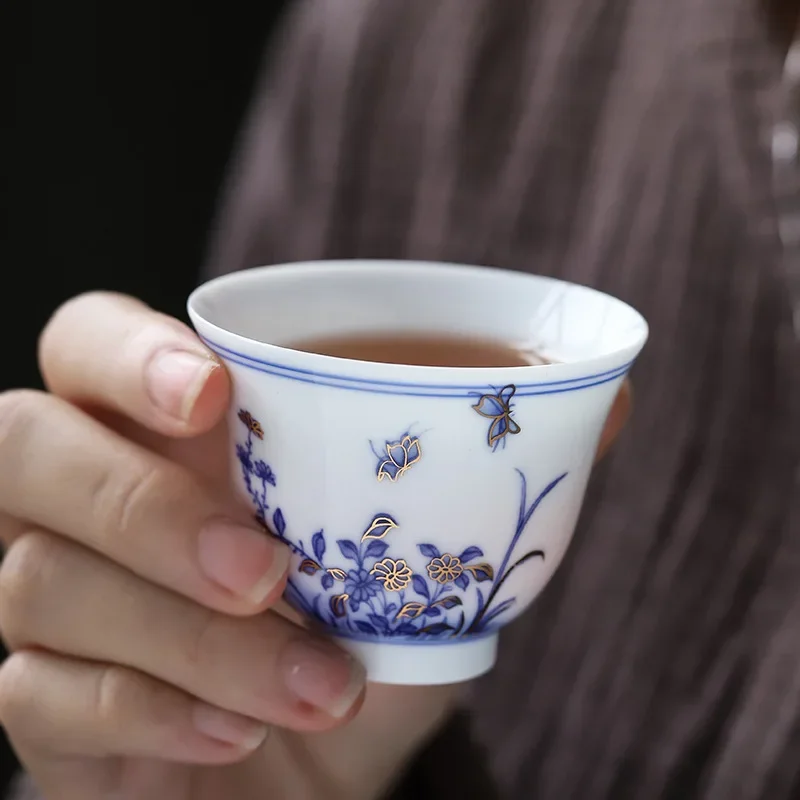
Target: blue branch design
x=524 y=518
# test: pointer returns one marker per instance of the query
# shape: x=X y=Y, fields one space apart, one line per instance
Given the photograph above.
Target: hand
x=133 y=592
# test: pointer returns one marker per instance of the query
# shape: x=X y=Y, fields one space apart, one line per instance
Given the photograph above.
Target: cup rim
x=226 y=342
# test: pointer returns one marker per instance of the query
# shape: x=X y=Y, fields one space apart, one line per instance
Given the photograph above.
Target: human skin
x=151 y=653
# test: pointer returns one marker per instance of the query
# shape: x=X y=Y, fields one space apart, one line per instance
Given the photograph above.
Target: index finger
x=141 y=511
x=111 y=351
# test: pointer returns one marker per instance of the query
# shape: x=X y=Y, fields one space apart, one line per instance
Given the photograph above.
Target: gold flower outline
x=394 y=575
x=445 y=568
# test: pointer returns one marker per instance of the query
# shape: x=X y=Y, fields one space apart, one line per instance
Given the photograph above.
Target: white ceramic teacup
x=426 y=507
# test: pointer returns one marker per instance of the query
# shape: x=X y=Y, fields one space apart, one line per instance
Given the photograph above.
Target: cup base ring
x=424 y=665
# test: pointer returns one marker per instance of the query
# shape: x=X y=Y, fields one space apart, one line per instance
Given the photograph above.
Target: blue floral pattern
x=398 y=457
x=497 y=407
x=254 y=469
x=366 y=589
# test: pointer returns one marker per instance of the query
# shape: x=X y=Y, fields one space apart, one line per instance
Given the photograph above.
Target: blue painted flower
x=445 y=569
x=433 y=609
x=243 y=454
x=360 y=586
x=402 y=456
x=394 y=575
x=264 y=472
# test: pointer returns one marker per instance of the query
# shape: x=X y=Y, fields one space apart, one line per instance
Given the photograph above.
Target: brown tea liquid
x=421 y=349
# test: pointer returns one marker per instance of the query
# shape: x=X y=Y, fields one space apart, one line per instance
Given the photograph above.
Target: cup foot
x=424 y=665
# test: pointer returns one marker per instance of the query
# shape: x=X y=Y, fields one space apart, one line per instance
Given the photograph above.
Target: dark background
x=116 y=124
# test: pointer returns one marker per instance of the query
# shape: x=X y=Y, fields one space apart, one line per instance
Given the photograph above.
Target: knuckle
x=203 y=639
x=74 y=313
x=124 y=696
x=15 y=690
x=51 y=338
x=120 y=491
x=116 y=695
x=19 y=410
x=76 y=307
x=23 y=573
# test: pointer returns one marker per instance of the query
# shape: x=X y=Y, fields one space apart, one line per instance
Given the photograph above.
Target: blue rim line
x=397 y=387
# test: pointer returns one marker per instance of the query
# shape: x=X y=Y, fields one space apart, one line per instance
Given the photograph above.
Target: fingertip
x=207 y=405
x=241 y=734
x=355 y=707
x=326 y=683
x=320 y=720
x=254 y=603
x=187 y=391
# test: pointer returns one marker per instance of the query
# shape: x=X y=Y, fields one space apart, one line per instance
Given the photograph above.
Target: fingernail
x=322 y=675
x=243 y=560
x=175 y=379
x=227 y=727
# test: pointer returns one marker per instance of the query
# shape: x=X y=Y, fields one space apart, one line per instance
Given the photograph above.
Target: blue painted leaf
x=429 y=551
x=379 y=527
x=309 y=567
x=279 y=522
x=482 y=572
x=480 y=600
x=354 y=605
x=391 y=608
x=432 y=611
x=462 y=581
x=318 y=543
x=327 y=581
x=365 y=627
x=337 y=604
x=467 y=555
x=348 y=549
x=380 y=623
x=436 y=629
x=376 y=549
x=451 y=601
x=421 y=586
x=411 y=610
x=406 y=629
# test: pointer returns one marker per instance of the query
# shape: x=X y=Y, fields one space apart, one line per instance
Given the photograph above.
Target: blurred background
x=116 y=125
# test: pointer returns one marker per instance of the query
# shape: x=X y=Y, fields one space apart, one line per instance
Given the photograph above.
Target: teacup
x=425 y=507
